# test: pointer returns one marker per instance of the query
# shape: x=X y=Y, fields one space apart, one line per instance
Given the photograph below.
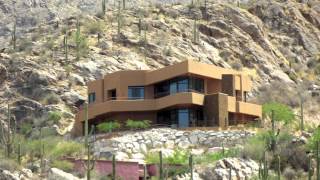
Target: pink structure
x=124 y=170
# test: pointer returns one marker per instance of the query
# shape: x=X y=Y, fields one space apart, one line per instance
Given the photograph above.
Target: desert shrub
x=179 y=156
x=65 y=148
x=25 y=45
x=132 y=124
x=51 y=99
x=289 y=173
x=108 y=126
x=317 y=69
x=236 y=65
x=25 y=128
x=54 y=116
x=94 y=27
x=254 y=147
x=314 y=139
x=8 y=164
x=63 y=165
x=282 y=112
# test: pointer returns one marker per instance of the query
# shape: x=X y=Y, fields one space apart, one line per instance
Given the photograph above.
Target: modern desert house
x=183 y=95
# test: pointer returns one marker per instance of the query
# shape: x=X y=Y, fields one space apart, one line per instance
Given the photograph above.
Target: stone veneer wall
x=136 y=145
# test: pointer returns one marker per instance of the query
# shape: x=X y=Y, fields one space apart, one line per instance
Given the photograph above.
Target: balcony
x=125 y=104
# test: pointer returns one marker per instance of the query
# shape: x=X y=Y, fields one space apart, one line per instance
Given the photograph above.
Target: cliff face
x=276 y=42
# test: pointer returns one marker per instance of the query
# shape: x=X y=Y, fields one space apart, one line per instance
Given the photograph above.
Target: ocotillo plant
x=8 y=133
x=113 y=167
x=103 y=4
x=78 y=40
x=14 y=35
x=89 y=165
x=191 y=166
x=160 y=166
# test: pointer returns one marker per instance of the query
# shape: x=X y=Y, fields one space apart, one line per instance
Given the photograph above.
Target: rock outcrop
x=241 y=169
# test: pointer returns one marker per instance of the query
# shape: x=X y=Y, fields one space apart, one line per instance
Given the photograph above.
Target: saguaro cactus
x=14 y=35
x=89 y=165
x=8 y=132
x=160 y=166
x=318 y=160
x=19 y=154
x=119 y=19
x=144 y=172
x=195 y=31
x=65 y=45
x=230 y=173
x=191 y=166
x=113 y=167
x=42 y=153
x=78 y=40
x=279 y=167
x=103 y=5
x=265 y=170
x=123 y=4
x=309 y=168
x=301 y=113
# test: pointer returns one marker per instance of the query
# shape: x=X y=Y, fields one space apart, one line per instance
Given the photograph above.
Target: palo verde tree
x=7 y=133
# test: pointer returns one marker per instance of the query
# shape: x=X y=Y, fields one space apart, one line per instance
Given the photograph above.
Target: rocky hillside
x=276 y=42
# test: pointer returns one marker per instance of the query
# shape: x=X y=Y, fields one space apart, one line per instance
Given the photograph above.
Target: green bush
x=54 y=116
x=65 y=148
x=51 y=98
x=63 y=165
x=314 y=139
x=137 y=124
x=26 y=128
x=179 y=156
x=108 y=126
x=282 y=112
x=94 y=27
x=255 y=146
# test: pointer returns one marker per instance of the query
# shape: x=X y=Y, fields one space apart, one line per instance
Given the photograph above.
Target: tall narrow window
x=92 y=97
x=135 y=92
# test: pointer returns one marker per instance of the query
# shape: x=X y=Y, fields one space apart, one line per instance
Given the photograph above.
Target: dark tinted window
x=92 y=97
x=136 y=92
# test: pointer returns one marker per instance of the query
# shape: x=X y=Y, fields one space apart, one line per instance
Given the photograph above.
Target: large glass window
x=136 y=92
x=92 y=97
x=184 y=117
x=180 y=84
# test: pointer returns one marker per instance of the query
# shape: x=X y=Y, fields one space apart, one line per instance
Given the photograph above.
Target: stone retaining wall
x=136 y=145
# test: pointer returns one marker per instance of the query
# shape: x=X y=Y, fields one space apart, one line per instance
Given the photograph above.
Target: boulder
x=76 y=79
x=72 y=97
x=55 y=174
x=7 y=175
x=121 y=156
